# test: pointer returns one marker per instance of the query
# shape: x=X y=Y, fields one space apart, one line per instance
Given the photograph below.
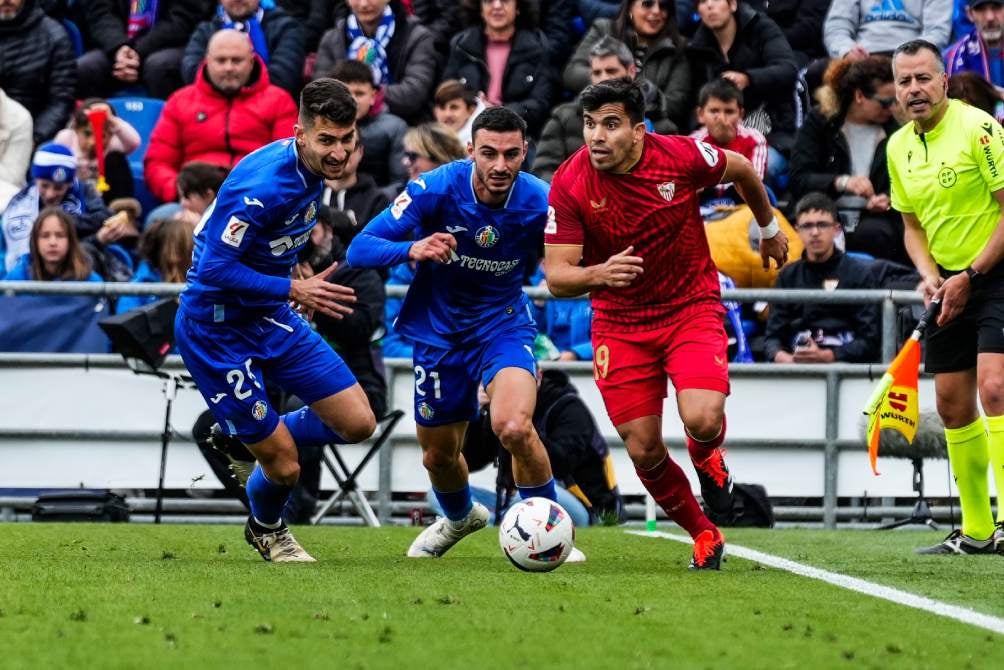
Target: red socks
x=670 y=488
x=700 y=451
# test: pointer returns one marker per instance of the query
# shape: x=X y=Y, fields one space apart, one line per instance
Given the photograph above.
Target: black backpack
x=80 y=506
x=750 y=507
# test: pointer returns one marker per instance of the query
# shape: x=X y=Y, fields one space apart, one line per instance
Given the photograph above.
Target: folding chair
x=346 y=479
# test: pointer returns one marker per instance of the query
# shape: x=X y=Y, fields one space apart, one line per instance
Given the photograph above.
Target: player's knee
x=362 y=429
x=285 y=472
x=439 y=460
x=513 y=433
x=954 y=412
x=992 y=394
x=704 y=425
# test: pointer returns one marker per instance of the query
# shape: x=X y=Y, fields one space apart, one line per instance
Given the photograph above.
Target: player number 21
x=236 y=377
x=420 y=376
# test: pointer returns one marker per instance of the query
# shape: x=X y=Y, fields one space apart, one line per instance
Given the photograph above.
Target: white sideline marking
x=963 y=614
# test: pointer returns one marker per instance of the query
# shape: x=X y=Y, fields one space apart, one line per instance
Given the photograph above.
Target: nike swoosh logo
x=218 y=397
x=455 y=229
x=253 y=201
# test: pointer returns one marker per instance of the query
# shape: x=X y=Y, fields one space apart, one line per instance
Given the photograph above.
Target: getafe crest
x=311 y=212
x=486 y=237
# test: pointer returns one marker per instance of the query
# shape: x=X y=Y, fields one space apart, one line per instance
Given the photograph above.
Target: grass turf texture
x=135 y=596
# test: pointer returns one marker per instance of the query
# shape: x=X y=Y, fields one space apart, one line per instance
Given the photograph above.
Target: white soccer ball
x=536 y=534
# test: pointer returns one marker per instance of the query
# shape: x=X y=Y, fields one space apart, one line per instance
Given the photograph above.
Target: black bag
x=80 y=506
x=750 y=507
x=146 y=332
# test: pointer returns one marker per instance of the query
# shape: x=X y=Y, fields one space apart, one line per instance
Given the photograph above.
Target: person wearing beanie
x=53 y=183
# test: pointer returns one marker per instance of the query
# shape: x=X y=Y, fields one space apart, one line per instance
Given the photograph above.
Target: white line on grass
x=963 y=614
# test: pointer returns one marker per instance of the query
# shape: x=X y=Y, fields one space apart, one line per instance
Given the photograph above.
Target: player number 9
x=601 y=362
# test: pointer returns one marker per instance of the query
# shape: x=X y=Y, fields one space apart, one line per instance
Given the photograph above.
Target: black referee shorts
x=979 y=329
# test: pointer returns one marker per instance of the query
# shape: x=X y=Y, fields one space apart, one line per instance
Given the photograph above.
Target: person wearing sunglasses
x=840 y=151
x=648 y=28
x=822 y=332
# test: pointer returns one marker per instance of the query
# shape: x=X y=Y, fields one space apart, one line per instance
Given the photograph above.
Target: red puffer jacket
x=201 y=124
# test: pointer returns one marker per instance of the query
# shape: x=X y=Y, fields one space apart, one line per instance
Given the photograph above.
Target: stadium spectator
x=979 y=51
x=580 y=458
x=381 y=132
x=456 y=107
x=428 y=146
x=277 y=38
x=15 y=147
x=504 y=57
x=36 y=65
x=136 y=43
x=720 y=112
x=315 y=16
x=823 y=333
x=198 y=184
x=855 y=29
x=354 y=194
x=562 y=135
x=801 y=21
x=840 y=150
x=978 y=92
x=53 y=184
x=120 y=139
x=54 y=252
x=399 y=49
x=555 y=22
x=747 y=48
x=231 y=110
x=165 y=255
x=441 y=18
x=648 y=28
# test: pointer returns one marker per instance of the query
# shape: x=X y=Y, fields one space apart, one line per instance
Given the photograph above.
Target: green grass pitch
x=136 y=596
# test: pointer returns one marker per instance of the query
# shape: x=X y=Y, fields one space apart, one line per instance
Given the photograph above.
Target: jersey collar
x=470 y=182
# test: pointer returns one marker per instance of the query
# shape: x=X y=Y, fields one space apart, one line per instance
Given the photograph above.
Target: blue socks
x=266 y=498
x=456 y=504
x=308 y=430
x=545 y=490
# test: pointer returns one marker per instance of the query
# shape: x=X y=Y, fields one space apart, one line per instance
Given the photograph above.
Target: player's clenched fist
x=620 y=269
x=317 y=293
x=776 y=247
x=437 y=247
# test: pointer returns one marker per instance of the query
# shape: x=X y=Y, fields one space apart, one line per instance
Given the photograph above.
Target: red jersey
x=654 y=208
x=748 y=142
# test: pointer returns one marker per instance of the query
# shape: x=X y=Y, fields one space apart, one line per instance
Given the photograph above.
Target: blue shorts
x=446 y=380
x=230 y=363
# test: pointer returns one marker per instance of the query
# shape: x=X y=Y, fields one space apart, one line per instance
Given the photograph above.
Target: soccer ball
x=536 y=534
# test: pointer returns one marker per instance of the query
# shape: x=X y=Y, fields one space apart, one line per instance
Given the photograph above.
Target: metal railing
x=889 y=299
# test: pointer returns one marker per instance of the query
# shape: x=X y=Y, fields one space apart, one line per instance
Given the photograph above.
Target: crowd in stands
x=803 y=88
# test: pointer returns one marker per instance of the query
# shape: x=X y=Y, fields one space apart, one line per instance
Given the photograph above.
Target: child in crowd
x=54 y=252
x=198 y=183
x=166 y=251
x=456 y=107
x=119 y=139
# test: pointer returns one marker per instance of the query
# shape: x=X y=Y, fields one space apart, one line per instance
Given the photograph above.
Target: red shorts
x=631 y=368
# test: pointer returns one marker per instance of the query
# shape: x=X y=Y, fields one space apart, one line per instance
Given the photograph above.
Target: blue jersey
x=480 y=292
x=247 y=242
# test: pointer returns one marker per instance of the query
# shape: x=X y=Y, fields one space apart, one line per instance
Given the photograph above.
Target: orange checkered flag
x=894 y=403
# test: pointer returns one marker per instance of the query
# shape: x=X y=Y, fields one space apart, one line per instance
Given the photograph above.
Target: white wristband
x=770 y=230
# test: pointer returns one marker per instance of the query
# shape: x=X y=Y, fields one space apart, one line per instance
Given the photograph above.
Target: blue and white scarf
x=251 y=26
x=969 y=54
x=372 y=50
x=20 y=215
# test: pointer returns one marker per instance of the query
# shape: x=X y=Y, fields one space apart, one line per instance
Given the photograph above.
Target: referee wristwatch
x=975 y=276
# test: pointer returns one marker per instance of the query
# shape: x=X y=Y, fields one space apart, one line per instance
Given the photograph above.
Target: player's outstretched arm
x=317 y=293
x=566 y=278
x=773 y=241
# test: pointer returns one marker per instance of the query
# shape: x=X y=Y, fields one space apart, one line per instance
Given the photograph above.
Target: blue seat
x=142 y=114
x=76 y=39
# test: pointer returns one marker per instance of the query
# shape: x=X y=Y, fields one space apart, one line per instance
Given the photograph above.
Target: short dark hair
x=352 y=72
x=721 y=89
x=454 y=89
x=912 y=47
x=499 y=120
x=327 y=98
x=819 y=202
x=200 y=177
x=624 y=91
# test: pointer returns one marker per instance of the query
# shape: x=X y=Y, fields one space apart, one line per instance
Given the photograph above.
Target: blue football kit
x=468 y=318
x=235 y=327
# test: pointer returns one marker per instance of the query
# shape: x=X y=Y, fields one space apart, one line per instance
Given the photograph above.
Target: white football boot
x=438 y=538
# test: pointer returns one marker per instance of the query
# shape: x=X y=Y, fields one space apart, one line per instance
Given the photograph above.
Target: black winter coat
x=787 y=319
x=761 y=52
x=801 y=21
x=528 y=81
x=106 y=20
x=315 y=16
x=284 y=37
x=38 y=69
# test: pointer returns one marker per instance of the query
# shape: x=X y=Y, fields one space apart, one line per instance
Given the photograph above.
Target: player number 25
x=236 y=377
x=420 y=376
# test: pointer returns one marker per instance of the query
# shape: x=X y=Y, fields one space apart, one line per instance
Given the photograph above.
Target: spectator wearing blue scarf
x=980 y=50
x=278 y=39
